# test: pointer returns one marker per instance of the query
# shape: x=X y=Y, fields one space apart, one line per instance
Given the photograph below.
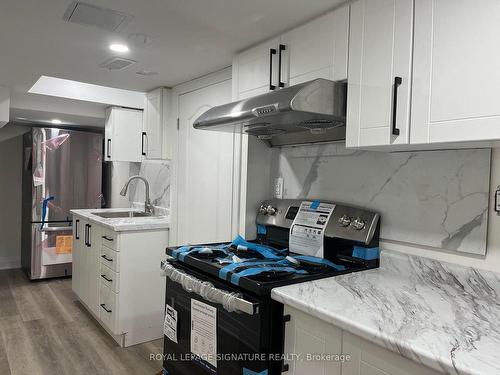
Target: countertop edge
x=125 y=227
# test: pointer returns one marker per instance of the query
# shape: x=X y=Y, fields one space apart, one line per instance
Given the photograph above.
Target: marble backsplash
x=432 y=198
x=157 y=172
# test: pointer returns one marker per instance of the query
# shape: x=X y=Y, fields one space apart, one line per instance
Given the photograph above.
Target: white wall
x=10 y=195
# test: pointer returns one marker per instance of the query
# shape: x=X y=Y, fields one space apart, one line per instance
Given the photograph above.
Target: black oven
x=247 y=342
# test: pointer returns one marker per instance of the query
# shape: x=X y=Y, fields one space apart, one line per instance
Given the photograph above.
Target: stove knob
x=271 y=210
x=263 y=209
x=358 y=223
x=345 y=220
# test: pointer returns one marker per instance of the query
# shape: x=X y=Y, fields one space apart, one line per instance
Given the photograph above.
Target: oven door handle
x=229 y=300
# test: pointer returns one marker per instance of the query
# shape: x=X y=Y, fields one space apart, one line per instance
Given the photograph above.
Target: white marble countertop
x=127 y=223
x=439 y=314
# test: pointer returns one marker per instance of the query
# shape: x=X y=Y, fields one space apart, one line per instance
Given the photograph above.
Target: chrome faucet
x=148 y=207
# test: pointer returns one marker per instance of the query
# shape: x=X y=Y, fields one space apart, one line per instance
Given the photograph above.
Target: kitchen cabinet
x=379 y=73
x=123 y=135
x=255 y=70
x=317 y=49
x=313 y=346
x=305 y=337
x=455 y=71
x=155 y=137
x=85 y=261
x=117 y=279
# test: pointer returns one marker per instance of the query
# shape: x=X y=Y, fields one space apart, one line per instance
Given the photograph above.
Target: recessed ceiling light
x=56 y=121
x=117 y=47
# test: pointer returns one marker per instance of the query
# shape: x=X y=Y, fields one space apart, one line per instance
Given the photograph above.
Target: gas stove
x=219 y=313
x=351 y=244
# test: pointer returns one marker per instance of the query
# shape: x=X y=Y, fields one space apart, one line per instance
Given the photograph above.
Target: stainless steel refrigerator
x=62 y=170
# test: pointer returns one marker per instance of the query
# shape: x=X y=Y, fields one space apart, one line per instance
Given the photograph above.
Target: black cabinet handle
x=77 y=235
x=108 y=153
x=272 y=52
x=280 y=83
x=107 y=238
x=397 y=83
x=89 y=238
x=105 y=309
x=106 y=258
x=86 y=240
x=143 y=135
x=286 y=319
x=105 y=278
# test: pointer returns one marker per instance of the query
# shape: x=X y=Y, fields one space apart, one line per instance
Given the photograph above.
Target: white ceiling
x=190 y=38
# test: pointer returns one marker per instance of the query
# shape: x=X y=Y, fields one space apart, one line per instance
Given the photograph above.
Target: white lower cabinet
x=313 y=346
x=118 y=280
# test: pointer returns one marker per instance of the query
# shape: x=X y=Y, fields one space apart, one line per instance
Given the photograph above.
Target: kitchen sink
x=122 y=214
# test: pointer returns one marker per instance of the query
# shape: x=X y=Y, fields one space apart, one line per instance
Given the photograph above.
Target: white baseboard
x=10 y=262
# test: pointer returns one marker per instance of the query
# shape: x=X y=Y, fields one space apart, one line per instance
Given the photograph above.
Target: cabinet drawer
x=108 y=307
x=110 y=258
x=110 y=278
x=109 y=238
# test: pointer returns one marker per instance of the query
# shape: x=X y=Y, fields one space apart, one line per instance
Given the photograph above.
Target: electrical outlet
x=278 y=188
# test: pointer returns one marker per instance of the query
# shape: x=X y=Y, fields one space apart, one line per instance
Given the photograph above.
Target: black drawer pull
x=106 y=258
x=77 y=235
x=105 y=309
x=108 y=238
x=105 y=278
x=397 y=83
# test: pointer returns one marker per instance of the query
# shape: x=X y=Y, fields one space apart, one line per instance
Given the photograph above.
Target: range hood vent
x=310 y=112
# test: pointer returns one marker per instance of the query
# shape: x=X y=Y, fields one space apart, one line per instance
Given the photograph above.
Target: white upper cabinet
x=154 y=136
x=123 y=133
x=379 y=73
x=317 y=49
x=255 y=70
x=456 y=75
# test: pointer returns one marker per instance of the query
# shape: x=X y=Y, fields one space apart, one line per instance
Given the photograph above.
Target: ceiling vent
x=117 y=63
x=92 y=15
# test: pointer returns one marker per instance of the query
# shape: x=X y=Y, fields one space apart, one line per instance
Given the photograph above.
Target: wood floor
x=44 y=330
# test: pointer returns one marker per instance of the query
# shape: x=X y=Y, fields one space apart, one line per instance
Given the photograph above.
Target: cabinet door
x=154 y=117
x=256 y=69
x=77 y=255
x=123 y=135
x=318 y=49
x=379 y=72
x=83 y=263
x=306 y=336
x=456 y=72
x=93 y=267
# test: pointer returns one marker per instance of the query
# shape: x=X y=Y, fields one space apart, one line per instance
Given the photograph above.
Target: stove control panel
x=347 y=222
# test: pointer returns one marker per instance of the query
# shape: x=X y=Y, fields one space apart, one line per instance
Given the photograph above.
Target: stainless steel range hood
x=310 y=112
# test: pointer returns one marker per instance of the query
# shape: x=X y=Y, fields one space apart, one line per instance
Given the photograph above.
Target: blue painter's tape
x=235 y=278
x=366 y=253
x=261 y=229
x=266 y=251
x=315 y=204
x=250 y=372
x=231 y=267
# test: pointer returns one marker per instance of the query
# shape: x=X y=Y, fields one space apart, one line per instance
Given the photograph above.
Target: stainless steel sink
x=122 y=214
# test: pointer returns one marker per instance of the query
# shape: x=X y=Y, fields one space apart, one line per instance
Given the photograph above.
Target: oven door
x=247 y=341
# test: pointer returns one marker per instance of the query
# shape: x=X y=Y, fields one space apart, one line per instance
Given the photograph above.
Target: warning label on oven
x=204 y=333
x=308 y=228
x=170 y=324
